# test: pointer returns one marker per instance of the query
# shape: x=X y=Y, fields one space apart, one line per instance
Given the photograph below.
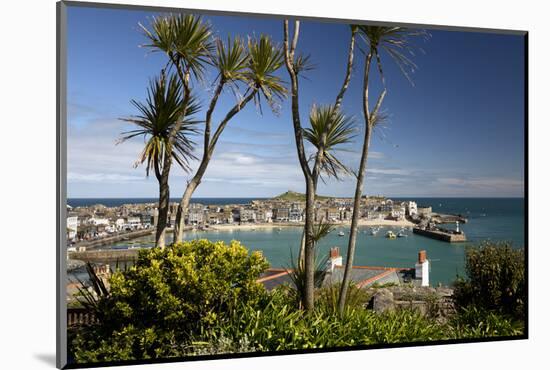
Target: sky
x=457 y=132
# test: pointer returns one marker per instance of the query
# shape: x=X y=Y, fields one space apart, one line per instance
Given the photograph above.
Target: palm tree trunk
x=358 y=188
x=164 y=202
x=210 y=145
x=183 y=209
x=349 y=66
x=309 y=253
x=355 y=219
x=164 y=196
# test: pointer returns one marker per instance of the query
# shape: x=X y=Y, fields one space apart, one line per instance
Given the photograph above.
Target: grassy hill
x=293 y=196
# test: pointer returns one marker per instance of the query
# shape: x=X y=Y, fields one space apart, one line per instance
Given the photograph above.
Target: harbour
x=488 y=219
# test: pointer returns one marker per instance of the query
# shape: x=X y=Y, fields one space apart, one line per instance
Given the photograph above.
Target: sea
x=489 y=219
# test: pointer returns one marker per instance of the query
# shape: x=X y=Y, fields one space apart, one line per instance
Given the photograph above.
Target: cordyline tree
x=162 y=111
x=187 y=41
x=254 y=67
x=395 y=42
x=329 y=129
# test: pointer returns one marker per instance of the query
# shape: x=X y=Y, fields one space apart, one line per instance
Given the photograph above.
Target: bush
x=472 y=322
x=201 y=297
x=279 y=326
x=495 y=279
x=154 y=307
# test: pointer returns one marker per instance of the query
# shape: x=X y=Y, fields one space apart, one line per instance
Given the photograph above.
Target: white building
x=98 y=221
x=195 y=216
x=398 y=213
x=119 y=223
x=248 y=215
x=72 y=226
x=133 y=222
x=295 y=214
x=412 y=208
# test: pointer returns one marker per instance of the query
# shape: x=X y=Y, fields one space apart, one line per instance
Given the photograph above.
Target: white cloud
x=101 y=177
x=486 y=183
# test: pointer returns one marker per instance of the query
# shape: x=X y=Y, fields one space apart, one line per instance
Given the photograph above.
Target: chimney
x=422 y=256
x=335 y=259
x=422 y=269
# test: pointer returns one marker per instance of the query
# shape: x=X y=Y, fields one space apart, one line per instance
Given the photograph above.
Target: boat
x=373 y=231
x=390 y=235
x=341 y=233
x=401 y=235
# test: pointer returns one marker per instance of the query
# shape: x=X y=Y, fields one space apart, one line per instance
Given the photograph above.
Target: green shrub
x=327 y=298
x=472 y=322
x=279 y=326
x=168 y=295
x=495 y=279
x=201 y=297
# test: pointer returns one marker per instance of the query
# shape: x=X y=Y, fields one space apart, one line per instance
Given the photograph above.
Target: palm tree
x=253 y=66
x=186 y=40
x=395 y=42
x=161 y=110
x=296 y=64
x=158 y=115
x=329 y=129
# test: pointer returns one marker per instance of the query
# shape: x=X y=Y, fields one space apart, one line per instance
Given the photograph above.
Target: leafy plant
x=495 y=279
x=169 y=295
x=474 y=322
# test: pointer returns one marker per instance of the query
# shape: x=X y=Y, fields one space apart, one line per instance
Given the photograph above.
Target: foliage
x=473 y=322
x=330 y=129
x=200 y=298
x=280 y=327
x=231 y=59
x=297 y=273
x=495 y=279
x=186 y=39
x=168 y=294
x=89 y=298
x=327 y=298
x=161 y=111
x=396 y=42
x=265 y=59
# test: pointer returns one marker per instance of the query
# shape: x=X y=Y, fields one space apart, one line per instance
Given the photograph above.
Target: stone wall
x=434 y=302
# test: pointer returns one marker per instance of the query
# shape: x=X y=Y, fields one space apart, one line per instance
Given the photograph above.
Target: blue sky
x=457 y=132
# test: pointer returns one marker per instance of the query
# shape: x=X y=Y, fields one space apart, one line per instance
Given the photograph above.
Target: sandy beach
x=250 y=226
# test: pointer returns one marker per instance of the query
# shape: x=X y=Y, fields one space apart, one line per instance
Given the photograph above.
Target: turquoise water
x=488 y=219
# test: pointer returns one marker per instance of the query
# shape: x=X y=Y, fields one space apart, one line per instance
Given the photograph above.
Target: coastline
x=270 y=225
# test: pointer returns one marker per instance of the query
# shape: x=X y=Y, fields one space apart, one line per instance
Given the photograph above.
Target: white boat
x=401 y=235
x=341 y=233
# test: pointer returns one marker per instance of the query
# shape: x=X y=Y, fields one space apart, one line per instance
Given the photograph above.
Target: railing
x=79 y=316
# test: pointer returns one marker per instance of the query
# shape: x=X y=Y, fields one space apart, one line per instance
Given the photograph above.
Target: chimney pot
x=422 y=256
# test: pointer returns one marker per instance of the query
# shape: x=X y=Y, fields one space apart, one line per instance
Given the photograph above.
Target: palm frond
x=302 y=63
x=297 y=274
x=330 y=129
x=265 y=59
x=231 y=59
x=186 y=39
x=397 y=42
x=321 y=230
x=159 y=113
